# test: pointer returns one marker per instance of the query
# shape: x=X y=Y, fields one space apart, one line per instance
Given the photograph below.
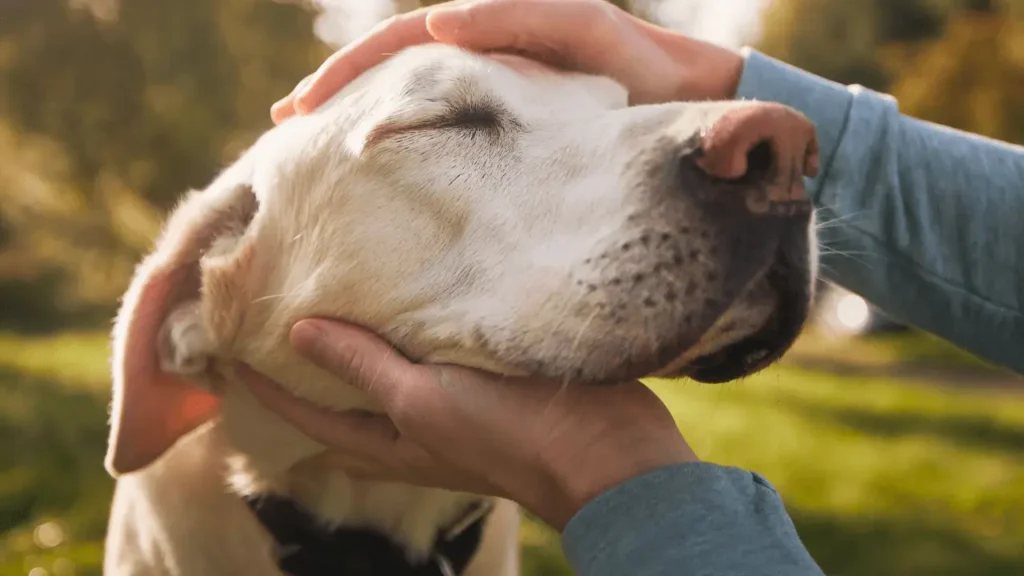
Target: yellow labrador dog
x=479 y=210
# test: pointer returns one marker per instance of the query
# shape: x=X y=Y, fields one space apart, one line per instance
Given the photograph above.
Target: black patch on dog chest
x=308 y=548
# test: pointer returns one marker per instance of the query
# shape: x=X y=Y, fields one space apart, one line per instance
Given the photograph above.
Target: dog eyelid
x=472 y=117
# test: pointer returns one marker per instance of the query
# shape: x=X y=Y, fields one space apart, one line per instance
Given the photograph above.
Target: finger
x=285 y=107
x=354 y=432
x=520 y=25
x=345 y=65
x=360 y=358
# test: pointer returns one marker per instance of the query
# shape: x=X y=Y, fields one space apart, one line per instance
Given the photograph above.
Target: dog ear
x=152 y=408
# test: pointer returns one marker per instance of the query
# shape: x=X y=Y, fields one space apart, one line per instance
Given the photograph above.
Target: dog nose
x=766 y=148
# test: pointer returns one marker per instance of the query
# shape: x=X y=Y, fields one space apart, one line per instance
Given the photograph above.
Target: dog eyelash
x=473 y=117
x=476 y=111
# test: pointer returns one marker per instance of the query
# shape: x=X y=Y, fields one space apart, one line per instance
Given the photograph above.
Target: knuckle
x=401 y=19
x=398 y=404
x=342 y=360
x=351 y=362
x=599 y=11
x=388 y=23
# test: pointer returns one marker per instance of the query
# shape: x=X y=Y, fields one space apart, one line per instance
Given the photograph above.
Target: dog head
x=479 y=210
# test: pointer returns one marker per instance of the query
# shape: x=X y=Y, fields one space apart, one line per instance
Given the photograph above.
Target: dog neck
x=270 y=457
x=305 y=547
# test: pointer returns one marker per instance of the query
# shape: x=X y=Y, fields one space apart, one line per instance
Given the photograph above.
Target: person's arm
x=921 y=220
x=695 y=519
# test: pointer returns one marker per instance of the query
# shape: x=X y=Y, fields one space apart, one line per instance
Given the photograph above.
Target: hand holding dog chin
x=593 y=36
x=548 y=446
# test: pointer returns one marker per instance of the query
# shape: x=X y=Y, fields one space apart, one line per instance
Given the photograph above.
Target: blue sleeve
x=697 y=519
x=921 y=220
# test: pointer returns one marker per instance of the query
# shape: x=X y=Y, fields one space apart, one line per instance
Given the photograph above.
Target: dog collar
x=307 y=548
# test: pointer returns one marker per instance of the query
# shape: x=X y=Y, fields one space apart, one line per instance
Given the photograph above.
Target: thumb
x=353 y=432
x=358 y=357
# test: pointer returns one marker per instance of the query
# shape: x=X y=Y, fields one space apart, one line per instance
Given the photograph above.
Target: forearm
x=919 y=219
x=695 y=518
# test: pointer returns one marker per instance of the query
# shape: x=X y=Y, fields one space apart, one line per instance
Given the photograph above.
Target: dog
x=476 y=209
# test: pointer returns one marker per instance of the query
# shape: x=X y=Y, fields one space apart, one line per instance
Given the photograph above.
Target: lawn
x=883 y=475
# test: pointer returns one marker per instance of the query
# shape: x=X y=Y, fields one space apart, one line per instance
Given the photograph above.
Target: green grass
x=883 y=476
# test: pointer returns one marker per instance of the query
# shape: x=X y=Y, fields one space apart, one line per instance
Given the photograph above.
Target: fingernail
x=447 y=21
x=278 y=112
x=308 y=337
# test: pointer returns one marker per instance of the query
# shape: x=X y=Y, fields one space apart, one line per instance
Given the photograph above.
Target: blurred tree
x=134 y=103
x=955 y=62
x=971 y=78
x=840 y=40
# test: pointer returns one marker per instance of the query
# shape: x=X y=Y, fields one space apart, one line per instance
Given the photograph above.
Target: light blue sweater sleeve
x=695 y=519
x=921 y=220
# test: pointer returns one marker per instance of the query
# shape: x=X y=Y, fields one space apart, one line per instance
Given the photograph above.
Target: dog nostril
x=760 y=159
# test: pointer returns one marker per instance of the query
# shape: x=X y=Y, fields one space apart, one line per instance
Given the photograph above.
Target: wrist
x=707 y=71
x=574 y=482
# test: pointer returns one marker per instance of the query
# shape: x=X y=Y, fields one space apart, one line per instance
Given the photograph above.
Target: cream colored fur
x=394 y=207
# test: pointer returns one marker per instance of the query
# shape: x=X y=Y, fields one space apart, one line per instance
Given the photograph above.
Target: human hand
x=654 y=64
x=548 y=446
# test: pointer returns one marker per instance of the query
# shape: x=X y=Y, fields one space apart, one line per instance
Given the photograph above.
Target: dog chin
x=725 y=353
x=737 y=358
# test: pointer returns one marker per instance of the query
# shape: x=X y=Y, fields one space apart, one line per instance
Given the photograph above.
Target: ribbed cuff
x=611 y=534
x=826 y=103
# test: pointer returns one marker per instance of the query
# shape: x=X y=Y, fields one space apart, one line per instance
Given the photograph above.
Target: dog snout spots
x=657 y=273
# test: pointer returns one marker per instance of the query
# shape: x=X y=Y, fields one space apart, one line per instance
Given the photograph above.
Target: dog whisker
x=583 y=329
x=853 y=255
x=271 y=297
x=298 y=290
x=839 y=220
x=833 y=208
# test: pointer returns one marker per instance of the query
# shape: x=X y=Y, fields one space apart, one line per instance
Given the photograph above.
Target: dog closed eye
x=473 y=117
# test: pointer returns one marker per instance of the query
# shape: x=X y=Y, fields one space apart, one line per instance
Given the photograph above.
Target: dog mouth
x=793 y=291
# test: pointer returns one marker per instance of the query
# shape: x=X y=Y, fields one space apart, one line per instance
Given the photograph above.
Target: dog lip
x=763 y=348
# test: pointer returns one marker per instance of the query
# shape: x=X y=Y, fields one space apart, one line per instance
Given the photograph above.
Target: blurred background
x=895 y=453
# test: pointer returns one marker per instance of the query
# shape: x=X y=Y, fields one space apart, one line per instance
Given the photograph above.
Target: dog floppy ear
x=152 y=408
